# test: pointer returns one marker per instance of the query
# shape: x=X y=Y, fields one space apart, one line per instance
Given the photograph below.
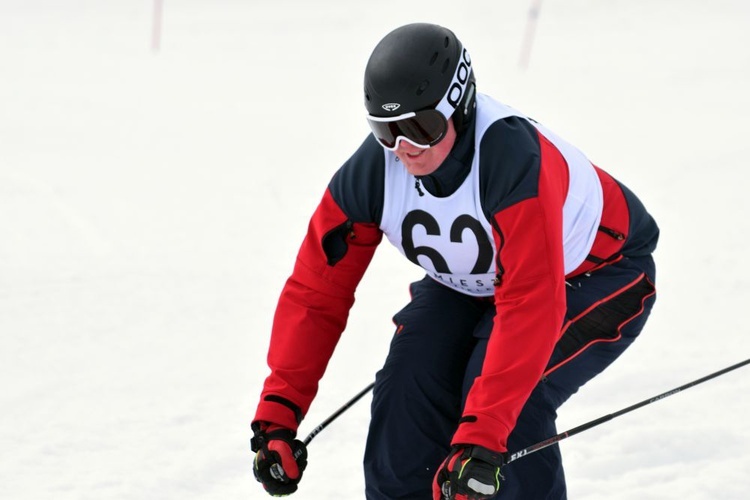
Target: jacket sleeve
x=313 y=309
x=530 y=291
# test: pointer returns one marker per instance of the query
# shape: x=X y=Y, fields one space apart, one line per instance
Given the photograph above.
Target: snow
x=152 y=202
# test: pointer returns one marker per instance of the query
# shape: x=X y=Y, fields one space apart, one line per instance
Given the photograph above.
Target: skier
x=539 y=274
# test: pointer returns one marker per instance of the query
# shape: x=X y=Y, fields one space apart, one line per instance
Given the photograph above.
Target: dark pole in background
x=528 y=41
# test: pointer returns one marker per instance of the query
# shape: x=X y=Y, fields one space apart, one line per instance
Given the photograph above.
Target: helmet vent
x=433 y=58
x=446 y=42
x=423 y=86
x=446 y=64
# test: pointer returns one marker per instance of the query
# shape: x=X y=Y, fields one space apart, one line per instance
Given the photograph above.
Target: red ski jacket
x=527 y=183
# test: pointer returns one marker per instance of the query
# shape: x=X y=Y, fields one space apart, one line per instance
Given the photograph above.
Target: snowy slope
x=151 y=204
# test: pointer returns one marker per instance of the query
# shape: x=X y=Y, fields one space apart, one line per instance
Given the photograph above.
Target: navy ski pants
x=438 y=350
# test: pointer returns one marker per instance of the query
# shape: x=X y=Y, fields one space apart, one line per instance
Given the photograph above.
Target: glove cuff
x=495 y=458
x=261 y=436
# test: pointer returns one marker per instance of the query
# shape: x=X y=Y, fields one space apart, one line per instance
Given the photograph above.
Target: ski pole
x=336 y=414
x=606 y=418
x=563 y=435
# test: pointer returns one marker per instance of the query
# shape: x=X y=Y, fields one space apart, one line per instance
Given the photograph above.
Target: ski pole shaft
x=606 y=418
x=336 y=414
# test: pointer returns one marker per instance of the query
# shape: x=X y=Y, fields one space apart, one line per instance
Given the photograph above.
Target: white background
x=152 y=203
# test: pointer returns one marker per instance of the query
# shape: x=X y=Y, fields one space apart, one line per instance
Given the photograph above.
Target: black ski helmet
x=420 y=66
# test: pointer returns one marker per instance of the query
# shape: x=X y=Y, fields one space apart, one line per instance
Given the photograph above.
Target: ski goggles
x=422 y=129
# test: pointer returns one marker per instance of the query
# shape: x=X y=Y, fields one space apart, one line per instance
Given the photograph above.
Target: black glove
x=469 y=473
x=280 y=458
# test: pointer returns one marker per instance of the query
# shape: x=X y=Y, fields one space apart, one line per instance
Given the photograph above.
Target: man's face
x=419 y=161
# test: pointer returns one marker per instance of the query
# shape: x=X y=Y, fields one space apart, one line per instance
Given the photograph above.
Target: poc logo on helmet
x=456 y=91
x=391 y=106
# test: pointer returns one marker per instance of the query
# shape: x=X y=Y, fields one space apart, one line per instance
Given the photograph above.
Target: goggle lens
x=423 y=128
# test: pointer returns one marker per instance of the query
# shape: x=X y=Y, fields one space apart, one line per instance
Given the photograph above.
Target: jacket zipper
x=611 y=232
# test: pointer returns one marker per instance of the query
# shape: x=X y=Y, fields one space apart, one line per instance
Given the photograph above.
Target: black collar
x=453 y=171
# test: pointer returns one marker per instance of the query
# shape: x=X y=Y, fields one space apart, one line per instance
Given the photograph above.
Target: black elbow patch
x=335 y=243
